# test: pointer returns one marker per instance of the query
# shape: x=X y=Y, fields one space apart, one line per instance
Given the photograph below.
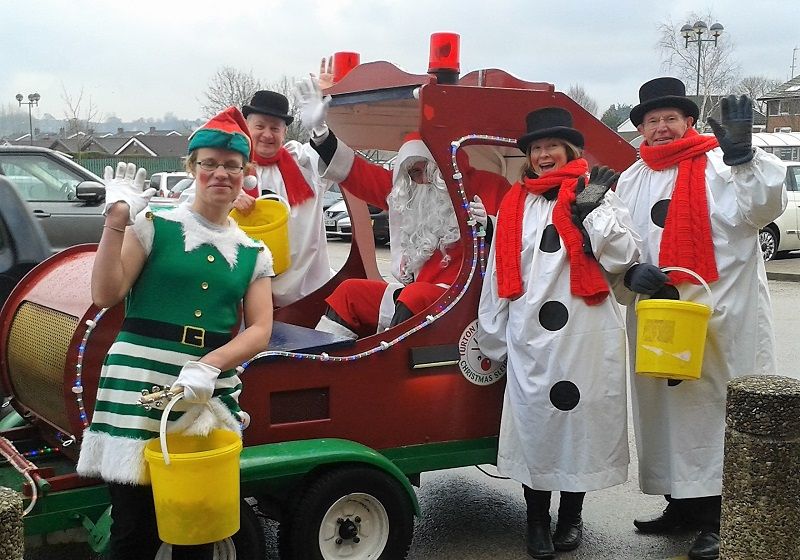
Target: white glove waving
x=478 y=211
x=127 y=186
x=313 y=107
x=198 y=380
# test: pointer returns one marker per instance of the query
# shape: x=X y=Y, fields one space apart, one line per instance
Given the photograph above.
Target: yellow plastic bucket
x=269 y=222
x=196 y=488
x=671 y=335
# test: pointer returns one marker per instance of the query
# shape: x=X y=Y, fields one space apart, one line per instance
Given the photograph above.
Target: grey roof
x=784 y=91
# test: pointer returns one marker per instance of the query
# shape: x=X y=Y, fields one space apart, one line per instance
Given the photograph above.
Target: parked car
x=66 y=198
x=331 y=196
x=337 y=222
x=179 y=187
x=163 y=182
x=783 y=235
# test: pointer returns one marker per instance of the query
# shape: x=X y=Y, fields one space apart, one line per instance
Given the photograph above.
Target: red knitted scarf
x=586 y=278
x=686 y=240
x=297 y=188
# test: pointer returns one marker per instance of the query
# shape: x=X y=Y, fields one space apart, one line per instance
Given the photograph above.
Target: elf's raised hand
x=126 y=186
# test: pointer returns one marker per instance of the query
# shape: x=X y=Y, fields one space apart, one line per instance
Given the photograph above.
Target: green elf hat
x=227 y=130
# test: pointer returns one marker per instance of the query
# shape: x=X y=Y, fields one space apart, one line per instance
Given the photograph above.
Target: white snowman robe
x=564 y=419
x=680 y=428
x=310 y=266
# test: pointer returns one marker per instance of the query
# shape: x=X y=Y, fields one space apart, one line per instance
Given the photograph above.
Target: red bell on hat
x=343 y=62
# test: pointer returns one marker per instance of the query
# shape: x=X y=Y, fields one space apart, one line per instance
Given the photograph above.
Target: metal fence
x=153 y=165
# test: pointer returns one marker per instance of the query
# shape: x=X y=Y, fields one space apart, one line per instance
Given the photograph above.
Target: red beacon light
x=443 y=61
x=343 y=62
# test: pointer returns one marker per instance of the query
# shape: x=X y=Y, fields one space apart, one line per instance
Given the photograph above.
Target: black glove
x=645 y=278
x=588 y=197
x=735 y=133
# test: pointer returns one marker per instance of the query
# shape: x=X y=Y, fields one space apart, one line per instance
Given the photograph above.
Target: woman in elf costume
x=545 y=308
x=186 y=342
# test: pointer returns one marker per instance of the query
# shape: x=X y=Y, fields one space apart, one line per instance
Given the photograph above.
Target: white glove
x=313 y=108
x=198 y=380
x=127 y=186
x=478 y=211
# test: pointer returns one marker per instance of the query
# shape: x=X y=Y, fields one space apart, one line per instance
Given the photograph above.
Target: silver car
x=66 y=199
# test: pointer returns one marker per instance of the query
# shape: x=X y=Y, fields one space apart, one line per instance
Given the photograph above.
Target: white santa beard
x=428 y=223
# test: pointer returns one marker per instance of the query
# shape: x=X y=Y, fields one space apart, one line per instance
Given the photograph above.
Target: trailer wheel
x=247 y=544
x=356 y=513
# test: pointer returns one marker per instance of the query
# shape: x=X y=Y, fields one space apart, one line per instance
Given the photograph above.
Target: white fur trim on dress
x=197 y=231
x=112 y=458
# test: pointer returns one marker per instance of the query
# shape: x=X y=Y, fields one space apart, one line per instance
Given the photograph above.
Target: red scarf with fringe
x=586 y=278
x=686 y=240
x=297 y=188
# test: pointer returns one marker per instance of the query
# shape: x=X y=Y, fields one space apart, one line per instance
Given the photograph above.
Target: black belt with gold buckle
x=185 y=334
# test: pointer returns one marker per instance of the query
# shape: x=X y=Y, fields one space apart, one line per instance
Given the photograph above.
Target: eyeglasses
x=669 y=120
x=211 y=165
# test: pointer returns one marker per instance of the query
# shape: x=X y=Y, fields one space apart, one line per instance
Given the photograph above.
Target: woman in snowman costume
x=545 y=307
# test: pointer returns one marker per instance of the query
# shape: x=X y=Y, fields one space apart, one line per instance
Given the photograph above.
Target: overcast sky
x=147 y=58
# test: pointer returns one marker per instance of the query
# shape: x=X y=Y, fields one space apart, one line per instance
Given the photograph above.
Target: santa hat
x=227 y=130
x=413 y=147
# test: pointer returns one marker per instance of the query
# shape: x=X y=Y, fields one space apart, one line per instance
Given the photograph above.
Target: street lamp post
x=694 y=34
x=33 y=99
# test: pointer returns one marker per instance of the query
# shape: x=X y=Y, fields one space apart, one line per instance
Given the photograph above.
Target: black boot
x=401 y=313
x=539 y=541
x=569 y=529
x=674 y=519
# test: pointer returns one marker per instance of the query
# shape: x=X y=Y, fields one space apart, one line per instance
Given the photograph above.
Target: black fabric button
x=553 y=315
x=551 y=242
x=658 y=213
x=667 y=291
x=565 y=395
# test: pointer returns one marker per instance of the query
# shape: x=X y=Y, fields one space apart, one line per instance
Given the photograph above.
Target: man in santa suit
x=425 y=240
x=289 y=169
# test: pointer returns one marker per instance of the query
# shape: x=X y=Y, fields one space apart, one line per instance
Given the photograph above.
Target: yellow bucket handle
x=690 y=273
x=162 y=428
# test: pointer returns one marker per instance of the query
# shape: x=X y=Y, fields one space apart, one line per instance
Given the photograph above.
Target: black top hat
x=660 y=93
x=550 y=122
x=269 y=103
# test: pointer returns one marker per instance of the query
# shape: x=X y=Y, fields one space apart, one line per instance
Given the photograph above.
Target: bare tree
x=80 y=112
x=229 y=87
x=718 y=70
x=755 y=87
x=579 y=96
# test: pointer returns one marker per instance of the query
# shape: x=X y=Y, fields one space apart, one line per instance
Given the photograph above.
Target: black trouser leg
x=570 y=508
x=703 y=513
x=401 y=313
x=134 y=535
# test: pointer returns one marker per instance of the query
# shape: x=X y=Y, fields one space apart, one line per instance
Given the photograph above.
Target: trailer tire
x=355 y=513
x=249 y=540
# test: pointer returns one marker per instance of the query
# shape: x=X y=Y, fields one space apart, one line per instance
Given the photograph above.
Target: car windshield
x=37 y=177
x=173 y=180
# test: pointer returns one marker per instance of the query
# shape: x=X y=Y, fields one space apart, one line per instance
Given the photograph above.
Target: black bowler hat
x=550 y=122
x=269 y=103
x=660 y=93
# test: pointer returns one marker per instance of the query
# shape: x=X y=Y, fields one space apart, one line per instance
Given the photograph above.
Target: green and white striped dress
x=196 y=275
